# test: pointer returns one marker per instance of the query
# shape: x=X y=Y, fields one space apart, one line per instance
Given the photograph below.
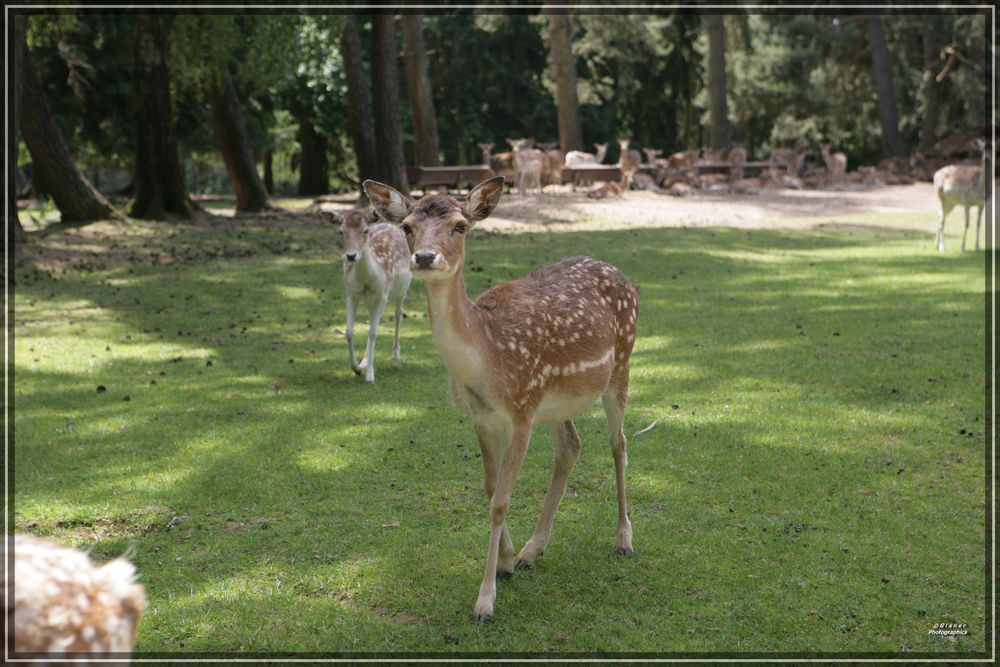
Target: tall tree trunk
x=564 y=68
x=269 y=171
x=718 y=109
x=359 y=115
x=892 y=141
x=15 y=232
x=231 y=131
x=418 y=88
x=385 y=85
x=159 y=180
x=314 y=171
x=52 y=163
x=932 y=98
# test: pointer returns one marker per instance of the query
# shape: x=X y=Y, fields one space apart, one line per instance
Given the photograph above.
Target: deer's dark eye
x=407 y=230
x=460 y=228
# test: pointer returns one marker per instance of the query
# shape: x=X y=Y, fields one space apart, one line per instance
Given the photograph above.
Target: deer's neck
x=457 y=326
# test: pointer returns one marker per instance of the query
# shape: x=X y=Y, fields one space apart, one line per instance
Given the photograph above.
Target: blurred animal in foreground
x=59 y=601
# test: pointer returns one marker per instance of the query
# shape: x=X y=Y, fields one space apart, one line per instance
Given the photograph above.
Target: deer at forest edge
x=502 y=164
x=528 y=162
x=836 y=164
x=576 y=158
x=629 y=161
x=962 y=185
x=790 y=158
x=538 y=349
x=376 y=271
x=737 y=158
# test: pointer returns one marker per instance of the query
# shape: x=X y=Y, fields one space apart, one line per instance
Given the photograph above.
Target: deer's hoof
x=504 y=576
x=524 y=564
x=482 y=619
x=623 y=551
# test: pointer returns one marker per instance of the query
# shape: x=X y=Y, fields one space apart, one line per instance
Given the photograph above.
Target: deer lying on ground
x=836 y=165
x=629 y=161
x=962 y=185
x=576 y=158
x=737 y=158
x=502 y=164
x=606 y=189
x=377 y=272
x=537 y=350
x=528 y=163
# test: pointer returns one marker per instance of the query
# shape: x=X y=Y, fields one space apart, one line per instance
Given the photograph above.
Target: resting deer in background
x=576 y=158
x=528 y=163
x=629 y=161
x=376 y=271
x=836 y=164
x=652 y=155
x=962 y=185
x=539 y=349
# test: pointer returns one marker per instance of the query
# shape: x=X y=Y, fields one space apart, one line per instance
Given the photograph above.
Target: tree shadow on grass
x=293 y=493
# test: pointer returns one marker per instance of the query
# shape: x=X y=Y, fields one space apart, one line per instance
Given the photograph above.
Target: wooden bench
x=590 y=173
x=421 y=177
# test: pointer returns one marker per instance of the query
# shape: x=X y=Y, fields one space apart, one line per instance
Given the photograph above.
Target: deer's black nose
x=424 y=259
x=351 y=256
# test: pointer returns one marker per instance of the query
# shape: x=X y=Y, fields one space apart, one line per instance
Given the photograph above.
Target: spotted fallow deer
x=377 y=272
x=538 y=349
x=962 y=185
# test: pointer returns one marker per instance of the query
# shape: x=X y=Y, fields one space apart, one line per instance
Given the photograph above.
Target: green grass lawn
x=815 y=481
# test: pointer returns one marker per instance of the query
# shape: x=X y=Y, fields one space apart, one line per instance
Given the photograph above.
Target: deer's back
x=387 y=248
x=959 y=181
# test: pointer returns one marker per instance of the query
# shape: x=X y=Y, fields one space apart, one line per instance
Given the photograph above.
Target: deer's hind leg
x=567 y=446
x=614 y=398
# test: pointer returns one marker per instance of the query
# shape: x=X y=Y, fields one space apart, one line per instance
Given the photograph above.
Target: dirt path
x=792 y=209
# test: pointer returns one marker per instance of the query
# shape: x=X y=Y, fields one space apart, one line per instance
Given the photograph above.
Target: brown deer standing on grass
x=962 y=185
x=539 y=349
x=376 y=271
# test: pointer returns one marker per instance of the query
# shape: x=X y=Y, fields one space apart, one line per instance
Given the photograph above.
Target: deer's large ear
x=332 y=217
x=387 y=201
x=483 y=199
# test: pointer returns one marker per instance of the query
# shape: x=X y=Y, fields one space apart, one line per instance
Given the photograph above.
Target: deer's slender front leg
x=965 y=231
x=491 y=446
x=567 y=446
x=375 y=319
x=509 y=470
x=395 y=340
x=979 y=220
x=352 y=309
